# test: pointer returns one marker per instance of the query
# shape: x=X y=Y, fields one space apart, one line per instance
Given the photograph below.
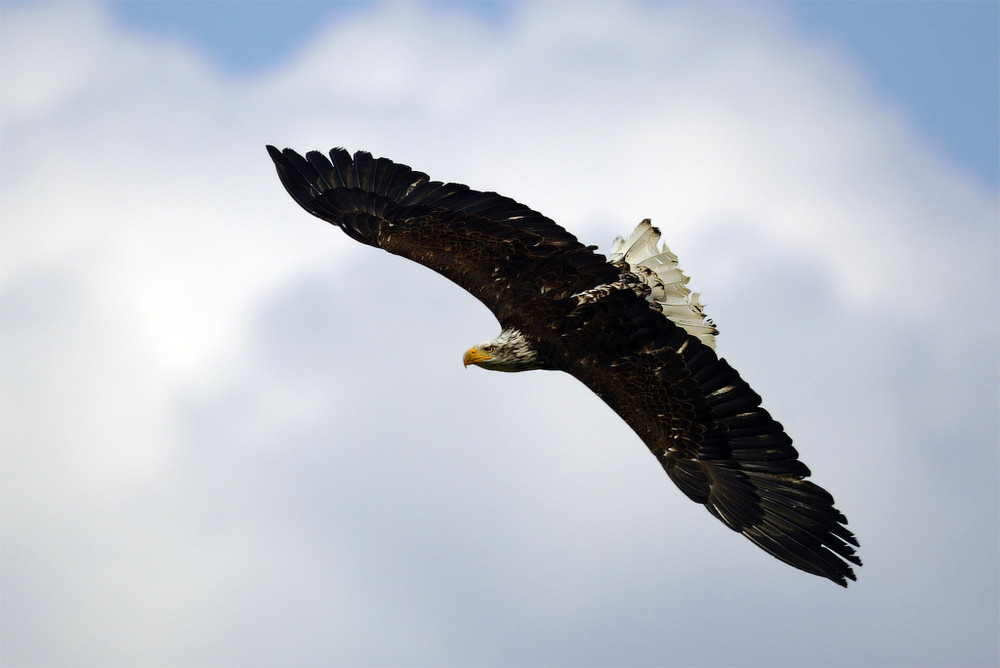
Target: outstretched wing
x=502 y=252
x=706 y=427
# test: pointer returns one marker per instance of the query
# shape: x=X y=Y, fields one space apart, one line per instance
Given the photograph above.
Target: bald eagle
x=627 y=328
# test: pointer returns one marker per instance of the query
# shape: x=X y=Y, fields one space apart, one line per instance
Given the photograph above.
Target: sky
x=232 y=436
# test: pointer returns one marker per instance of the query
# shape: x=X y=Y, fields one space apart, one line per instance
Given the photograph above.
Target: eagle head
x=508 y=352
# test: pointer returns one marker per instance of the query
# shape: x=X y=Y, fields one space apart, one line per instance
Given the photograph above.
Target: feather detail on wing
x=502 y=252
x=657 y=267
x=708 y=430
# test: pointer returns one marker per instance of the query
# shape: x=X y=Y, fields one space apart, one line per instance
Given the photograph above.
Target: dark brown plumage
x=563 y=306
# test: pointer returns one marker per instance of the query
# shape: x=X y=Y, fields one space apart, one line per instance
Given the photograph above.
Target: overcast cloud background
x=232 y=436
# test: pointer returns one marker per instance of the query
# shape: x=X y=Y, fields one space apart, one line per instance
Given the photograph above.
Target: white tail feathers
x=657 y=268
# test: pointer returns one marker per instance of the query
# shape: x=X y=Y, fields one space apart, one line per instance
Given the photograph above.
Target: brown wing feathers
x=698 y=417
x=390 y=183
x=747 y=473
x=501 y=251
x=705 y=425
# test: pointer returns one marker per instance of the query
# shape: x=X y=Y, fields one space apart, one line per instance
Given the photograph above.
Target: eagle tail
x=658 y=268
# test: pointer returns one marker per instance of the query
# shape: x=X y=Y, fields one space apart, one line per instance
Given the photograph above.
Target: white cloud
x=231 y=435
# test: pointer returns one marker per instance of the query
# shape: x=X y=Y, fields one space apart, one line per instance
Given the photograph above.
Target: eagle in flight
x=626 y=327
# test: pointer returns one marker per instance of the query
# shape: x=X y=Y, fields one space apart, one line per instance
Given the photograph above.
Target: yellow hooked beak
x=475 y=356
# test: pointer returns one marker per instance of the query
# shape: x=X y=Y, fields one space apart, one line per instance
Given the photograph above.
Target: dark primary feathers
x=594 y=320
x=500 y=251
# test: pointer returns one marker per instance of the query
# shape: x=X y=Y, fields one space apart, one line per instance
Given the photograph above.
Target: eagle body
x=628 y=328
